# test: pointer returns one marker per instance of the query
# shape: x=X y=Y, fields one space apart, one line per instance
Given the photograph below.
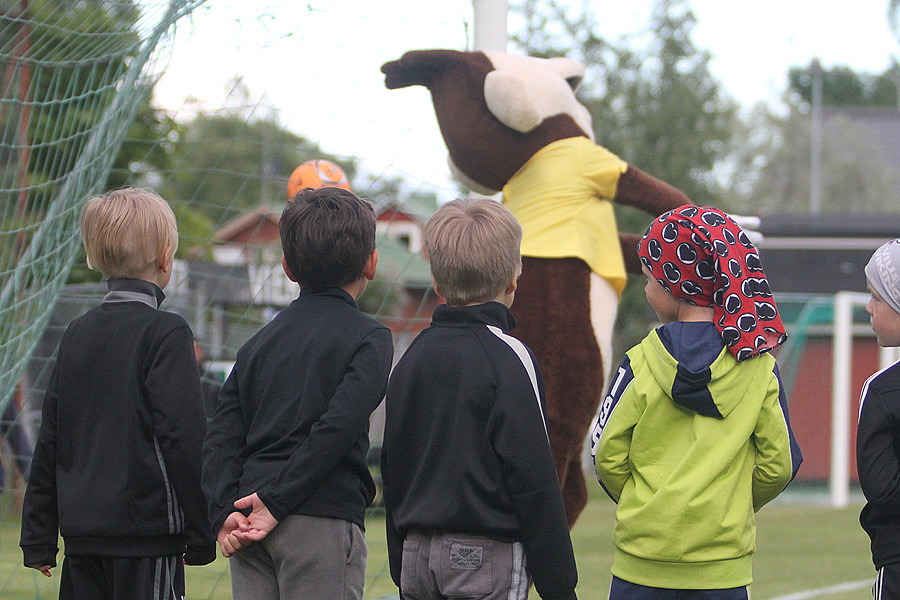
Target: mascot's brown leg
x=553 y=318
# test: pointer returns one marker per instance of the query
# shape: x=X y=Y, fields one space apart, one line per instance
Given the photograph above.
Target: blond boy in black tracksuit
x=116 y=467
x=473 y=501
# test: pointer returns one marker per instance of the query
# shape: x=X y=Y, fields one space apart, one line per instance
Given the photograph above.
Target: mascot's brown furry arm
x=513 y=124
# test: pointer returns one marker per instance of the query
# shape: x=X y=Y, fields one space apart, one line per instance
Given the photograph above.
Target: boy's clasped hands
x=239 y=531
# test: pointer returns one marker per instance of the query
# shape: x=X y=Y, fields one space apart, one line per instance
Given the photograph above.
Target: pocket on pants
x=357 y=549
x=409 y=582
x=465 y=568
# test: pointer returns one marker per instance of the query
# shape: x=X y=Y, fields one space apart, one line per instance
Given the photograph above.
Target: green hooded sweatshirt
x=691 y=443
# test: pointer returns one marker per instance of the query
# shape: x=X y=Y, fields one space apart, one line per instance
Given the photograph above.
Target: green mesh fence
x=74 y=75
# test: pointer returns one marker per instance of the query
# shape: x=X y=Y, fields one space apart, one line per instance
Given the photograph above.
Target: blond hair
x=473 y=246
x=126 y=231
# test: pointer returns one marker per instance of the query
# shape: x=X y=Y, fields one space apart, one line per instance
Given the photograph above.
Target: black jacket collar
x=489 y=313
x=329 y=291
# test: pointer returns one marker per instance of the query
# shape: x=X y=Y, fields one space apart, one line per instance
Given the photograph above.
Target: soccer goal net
x=73 y=76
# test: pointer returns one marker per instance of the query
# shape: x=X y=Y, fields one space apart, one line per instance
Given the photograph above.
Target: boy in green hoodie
x=693 y=436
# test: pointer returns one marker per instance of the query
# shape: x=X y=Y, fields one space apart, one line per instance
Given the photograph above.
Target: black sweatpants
x=887 y=584
x=110 y=578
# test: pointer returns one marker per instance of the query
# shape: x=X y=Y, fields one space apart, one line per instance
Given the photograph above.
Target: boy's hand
x=228 y=542
x=45 y=569
x=261 y=521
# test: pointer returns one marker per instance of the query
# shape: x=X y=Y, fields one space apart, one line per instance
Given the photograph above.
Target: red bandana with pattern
x=699 y=254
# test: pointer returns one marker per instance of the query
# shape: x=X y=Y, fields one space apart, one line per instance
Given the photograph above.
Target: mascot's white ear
x=570 y=70
x=468 y=182
x=522 y=91
x=508 y=99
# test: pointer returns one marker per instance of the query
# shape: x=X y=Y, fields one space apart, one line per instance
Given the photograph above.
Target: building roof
x=252 y=227
x=845 y=224
x=395 y=262
x=822 y=254
x=878 y=128
x=417 y=206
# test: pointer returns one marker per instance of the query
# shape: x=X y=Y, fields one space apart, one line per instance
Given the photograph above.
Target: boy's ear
x=165 y=260
x=437 y=288
x=287 y=270
x=371 y=264
x=513 y=285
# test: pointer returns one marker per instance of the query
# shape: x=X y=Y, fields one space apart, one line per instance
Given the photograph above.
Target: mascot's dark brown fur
x=489 y=141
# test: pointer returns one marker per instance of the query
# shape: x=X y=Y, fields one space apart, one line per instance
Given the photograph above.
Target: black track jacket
x=878 y=463
x=292 y=419
x=466 y=447
x=116 y=466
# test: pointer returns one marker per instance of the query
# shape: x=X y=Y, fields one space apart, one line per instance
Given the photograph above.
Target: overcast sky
x=316 y=63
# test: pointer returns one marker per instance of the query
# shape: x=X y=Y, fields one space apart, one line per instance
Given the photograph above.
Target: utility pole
x=815 y=167
x=490 y=24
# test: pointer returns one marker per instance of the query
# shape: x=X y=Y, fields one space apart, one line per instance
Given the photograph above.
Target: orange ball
x=316 y=174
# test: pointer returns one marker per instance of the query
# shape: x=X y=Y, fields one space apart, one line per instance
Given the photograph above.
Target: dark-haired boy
x=289 y=436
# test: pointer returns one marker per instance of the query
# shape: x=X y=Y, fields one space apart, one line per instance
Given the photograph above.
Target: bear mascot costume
x=513 y=124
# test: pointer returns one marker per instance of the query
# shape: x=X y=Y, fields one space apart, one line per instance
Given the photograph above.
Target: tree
x=893 y=14
x=842 y=86
x=653 y=102
x=67 y=56
x=226 y=164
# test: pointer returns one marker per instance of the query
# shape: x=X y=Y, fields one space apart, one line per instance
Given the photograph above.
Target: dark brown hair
x=327 y=235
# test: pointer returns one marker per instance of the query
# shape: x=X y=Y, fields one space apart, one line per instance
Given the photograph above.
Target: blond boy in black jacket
x=116 y=467
x=473 y=502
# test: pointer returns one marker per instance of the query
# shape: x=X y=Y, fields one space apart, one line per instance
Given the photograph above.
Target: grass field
x=802 y=546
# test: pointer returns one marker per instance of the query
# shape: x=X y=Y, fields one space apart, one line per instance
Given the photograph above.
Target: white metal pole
x=490 y=24
x=840 y=399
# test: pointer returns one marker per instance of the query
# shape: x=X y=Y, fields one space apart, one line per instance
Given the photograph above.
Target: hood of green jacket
x=690 y=362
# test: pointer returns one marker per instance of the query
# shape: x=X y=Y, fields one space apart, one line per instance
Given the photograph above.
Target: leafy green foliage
x=654 y=103
x=842 y=86
x=70 y=50
x=67 y=50
x=228 y=163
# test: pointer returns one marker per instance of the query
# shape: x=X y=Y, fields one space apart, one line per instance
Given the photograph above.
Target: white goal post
x=841 y=392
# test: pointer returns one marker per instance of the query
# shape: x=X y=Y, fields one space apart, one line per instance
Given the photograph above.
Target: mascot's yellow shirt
x=561 y=197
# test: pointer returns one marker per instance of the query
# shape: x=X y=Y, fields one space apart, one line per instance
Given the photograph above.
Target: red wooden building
x=807 y=260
